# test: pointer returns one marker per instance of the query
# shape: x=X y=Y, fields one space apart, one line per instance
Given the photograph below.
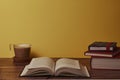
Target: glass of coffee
x=22 y=52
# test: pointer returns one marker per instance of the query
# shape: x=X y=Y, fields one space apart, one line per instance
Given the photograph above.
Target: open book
x=44 y=66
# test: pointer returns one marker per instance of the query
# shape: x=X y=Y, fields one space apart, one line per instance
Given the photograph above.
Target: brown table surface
x=11 y=71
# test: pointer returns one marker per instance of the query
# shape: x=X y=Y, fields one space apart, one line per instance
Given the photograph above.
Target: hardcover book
x=103 y=53
x=45 y=66
x=106 y=63
x=102 y=46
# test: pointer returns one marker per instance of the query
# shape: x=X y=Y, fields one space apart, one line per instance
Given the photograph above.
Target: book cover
x=103 y=53
x=102 y=46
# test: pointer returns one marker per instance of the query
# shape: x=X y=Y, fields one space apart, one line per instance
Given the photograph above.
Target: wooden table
x=11 y=71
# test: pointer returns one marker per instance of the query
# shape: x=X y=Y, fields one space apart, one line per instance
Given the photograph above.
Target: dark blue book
x=102 y=46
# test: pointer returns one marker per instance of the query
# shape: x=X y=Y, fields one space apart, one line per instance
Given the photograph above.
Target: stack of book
x=104 y=55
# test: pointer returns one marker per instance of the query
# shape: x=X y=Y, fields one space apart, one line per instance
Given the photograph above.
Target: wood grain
x=11 y=71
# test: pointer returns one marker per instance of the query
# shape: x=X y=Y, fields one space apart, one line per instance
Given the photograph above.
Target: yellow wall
x=58 y=28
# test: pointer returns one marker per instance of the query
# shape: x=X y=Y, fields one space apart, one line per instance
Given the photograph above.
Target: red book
x=106 y=62
x=102 y=53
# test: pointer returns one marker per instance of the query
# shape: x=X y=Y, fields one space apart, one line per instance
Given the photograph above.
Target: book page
x=67 y=63
x=42 y=62
x=32 y=72
x=70 y=67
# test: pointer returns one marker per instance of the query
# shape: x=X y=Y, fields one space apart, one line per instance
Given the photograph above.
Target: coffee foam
x=22 y=46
